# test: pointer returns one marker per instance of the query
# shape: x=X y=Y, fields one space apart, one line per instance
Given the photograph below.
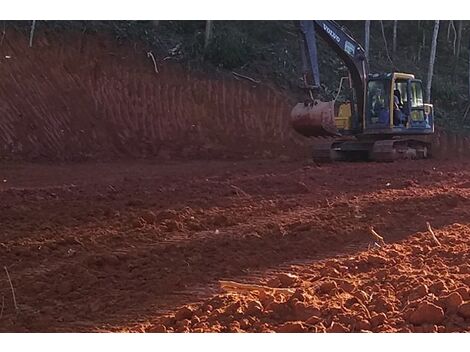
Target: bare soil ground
x=141 y=246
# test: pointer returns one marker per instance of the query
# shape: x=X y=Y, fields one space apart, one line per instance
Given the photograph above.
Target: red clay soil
x=75 y=96
x=134 y=246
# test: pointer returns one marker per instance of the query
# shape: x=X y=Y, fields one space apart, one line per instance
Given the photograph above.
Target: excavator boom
x=315 y=118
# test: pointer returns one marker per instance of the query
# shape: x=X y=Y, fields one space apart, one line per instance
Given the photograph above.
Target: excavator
x=383 y=118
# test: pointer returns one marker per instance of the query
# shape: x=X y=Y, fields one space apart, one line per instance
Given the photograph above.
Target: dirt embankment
x=83 y=96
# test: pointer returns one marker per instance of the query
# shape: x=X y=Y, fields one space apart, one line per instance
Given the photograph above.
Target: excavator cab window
x=401 y=103
x=378 y=103
x=418 y=116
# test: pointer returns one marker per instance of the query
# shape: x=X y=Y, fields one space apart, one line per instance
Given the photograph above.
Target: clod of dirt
x=166 y=215
x=221 y=220
x=418 y=292
x=254 y=308
x=347 y=286
x=313 y=320
x=173 y=225
x=159 y=328
x=292 y=326
x=464 y=310
x=136 y=223
x=300 y=295
x=329 y=271
x=149 y=217
x=287 y=280
x=464 y=292
x=184 y=313
x=377 y=319
x=451 y=302
x=304 y=311
x=437 y=287
x=464 y=269
x=376 y=259
x=337 y=327
x=427 y=313
x=327 y=287
x=363 y=324
x=274 y=282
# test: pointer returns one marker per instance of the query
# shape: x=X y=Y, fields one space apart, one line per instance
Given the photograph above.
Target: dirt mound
x=361 y=294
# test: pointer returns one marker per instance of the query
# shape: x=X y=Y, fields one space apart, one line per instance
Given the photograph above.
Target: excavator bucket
x=314 y=119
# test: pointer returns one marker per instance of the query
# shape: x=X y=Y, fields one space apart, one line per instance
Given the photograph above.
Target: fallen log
x=238 y=286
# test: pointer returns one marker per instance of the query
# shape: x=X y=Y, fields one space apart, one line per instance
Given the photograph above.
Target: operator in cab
x=398 y=117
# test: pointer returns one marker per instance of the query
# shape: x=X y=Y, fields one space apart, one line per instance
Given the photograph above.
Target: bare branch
x=12 y=289
x=150 y=55
x=432 y=234
x=376 y=236
x=246 y=77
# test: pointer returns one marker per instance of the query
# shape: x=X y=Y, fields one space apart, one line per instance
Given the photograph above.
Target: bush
x=228 y=49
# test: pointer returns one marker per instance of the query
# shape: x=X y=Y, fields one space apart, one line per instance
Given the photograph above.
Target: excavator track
x=388 y=150
x=322 y=152
x=391 y=150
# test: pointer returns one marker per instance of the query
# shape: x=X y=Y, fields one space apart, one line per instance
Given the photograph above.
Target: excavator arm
x=317 y=118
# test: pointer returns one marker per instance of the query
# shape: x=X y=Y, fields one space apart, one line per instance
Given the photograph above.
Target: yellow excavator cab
x=343 y=118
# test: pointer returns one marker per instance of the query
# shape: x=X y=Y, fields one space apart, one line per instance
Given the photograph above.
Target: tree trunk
x=208 y=35
x=459 y=38
x=367 y=38
x=422 y=45
x=455 y=38
x=469 y=70
x=448 y=31
x=385 y=42
x=31 y=34
x=457 y=47
x=394 y=39
x=432 y=58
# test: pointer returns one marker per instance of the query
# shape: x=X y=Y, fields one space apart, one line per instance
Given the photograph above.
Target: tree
x=385 y=42
x=469 y=70
x=367 y=38
x=432 y=58
x=31 y=33
x=208 y=35
x=459 y=38
x=394 y=39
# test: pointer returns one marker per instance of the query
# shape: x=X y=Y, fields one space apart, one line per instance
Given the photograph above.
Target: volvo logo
x=331 y=33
